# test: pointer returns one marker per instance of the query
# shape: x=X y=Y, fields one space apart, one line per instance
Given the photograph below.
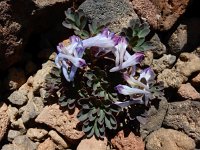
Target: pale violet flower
x=130 y=61
x=105 y=39
x=69 y=57
x=138 y=90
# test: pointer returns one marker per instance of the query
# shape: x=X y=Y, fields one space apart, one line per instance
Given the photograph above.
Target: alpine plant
x=136 y=88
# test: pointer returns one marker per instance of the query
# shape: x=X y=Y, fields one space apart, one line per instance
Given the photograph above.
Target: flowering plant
x=98 y=86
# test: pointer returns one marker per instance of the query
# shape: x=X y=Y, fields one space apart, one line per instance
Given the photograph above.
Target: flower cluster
x=70 y=57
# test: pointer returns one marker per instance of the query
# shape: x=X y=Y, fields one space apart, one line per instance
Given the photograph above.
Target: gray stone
x=156 y=117
x=36 y=134
x=184 y=116
x=165 y=62
x=12 y=134
x=17 y=98
x=13 y=114
x=20 y=143
x=32 y=109
x=116 y=12
x=159 y=47
x=168 y=139
x=178 y=40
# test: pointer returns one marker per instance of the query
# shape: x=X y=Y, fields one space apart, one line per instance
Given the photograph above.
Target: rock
x=147 y=10
x=17 y=98
x=21 y=143
x=178 y=40
x=12 y=134
x=127 y=141
x=58 y=140
x=164 y=62
x=42 y=3
x=117 y=13
x=168 y=139
x=196 y=80
x=187 y=91
x=156 y=115
x=184 y=116
x=15 y=79
x=171 y=78
x=47 y=145
x=17 y=25
x=4 y=119
x=160 y=14
x=190 y=62
x=13 y=114
x=159 y=47
x=36 y=134
x=148 y=59
x=92 y=143
x=32 y=109
x=63 y=122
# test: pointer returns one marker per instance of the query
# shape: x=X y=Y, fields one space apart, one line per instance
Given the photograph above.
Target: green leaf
x=107 y=122
x=86 y=128
x=81 y=116
x=91 y=133
x=96 y=130
x=143 y=33
x=101 y=117
x=140 y=42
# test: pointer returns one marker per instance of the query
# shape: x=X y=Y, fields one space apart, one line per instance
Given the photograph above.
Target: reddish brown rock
x=4 y=119
x=187 y=91
x=47 y=145
x=127 y=142
x=63 y=122
x=92 y=143
x=196 y=80
x=161 y=14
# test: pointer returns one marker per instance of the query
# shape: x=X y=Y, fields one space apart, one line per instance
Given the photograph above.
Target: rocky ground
x=30 y=117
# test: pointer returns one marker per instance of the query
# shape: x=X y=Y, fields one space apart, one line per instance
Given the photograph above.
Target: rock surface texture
x=127 y=141
x=168 y=139
x=4 y=119
x=93 y=143
x=63 y=122
x=117 y=13
x=160 y=14
x=184 y=116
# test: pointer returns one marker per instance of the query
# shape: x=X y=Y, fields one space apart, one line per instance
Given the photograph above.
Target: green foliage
x=97 y=115
x=77 y=21
x=136 y=34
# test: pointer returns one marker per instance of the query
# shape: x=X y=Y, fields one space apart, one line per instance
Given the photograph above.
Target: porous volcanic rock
x=156 y=115
x=92 y=143
x=4 y=119
x=47 y=145
x=62 y=122
x=187 y=91
x=184 y=116
x=160 y=14
x=126 y=140
x=117 y=13
x=168 y=139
